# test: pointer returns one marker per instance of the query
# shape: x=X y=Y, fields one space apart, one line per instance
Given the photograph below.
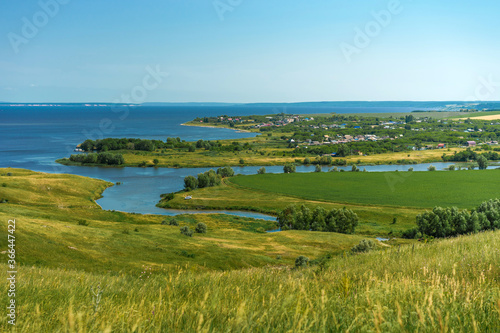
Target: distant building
x=471 y=143
x=441 y=145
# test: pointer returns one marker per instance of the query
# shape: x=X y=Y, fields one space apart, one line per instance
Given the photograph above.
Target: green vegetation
x=448 y=222
x=449 y=285
x=464 y=189
x=98 y=158
x=326 y=139
x=343 y=220
x=365 y=245
x=58 y=213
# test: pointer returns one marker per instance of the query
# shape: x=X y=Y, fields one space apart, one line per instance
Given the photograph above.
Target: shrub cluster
x=186 y=231
x=201 y=228
x=447 y=222
x=302 y=218
x=364 y=246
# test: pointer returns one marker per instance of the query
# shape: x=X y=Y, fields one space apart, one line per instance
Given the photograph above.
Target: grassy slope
x=446 y=286
x=47 y=209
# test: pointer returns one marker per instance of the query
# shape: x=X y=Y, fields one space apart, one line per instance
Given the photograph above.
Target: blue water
x=34 y=137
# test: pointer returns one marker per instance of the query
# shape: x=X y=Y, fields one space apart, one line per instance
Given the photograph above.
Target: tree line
x=447 y=222
x=319 y=219
x=98 y=158
x=207 y=179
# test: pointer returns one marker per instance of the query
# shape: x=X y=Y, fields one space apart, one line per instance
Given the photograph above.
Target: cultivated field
x=463 y=189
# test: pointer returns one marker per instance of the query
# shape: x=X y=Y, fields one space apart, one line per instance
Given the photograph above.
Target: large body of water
x=34 y=137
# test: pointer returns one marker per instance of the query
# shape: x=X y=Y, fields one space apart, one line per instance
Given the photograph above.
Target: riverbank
x=261 y=157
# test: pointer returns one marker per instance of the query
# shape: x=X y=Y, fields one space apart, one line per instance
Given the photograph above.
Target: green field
x=463 y=189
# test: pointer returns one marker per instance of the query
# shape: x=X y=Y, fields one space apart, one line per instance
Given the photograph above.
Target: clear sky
x=249 y=50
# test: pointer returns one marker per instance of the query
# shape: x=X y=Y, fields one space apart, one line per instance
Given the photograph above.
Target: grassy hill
x=50 y=209
x=233 y=278
x=446 y=286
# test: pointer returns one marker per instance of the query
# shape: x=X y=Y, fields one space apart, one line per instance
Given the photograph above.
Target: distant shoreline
x=210 y=126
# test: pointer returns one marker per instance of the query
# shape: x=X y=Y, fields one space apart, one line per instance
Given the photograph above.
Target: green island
x=236 y=277
x=331 y=139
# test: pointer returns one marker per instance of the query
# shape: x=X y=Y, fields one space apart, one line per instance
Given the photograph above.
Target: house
x=441 y=146
x=471 y=143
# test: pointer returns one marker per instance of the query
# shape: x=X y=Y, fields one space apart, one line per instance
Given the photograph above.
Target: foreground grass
x=48 y=209
x=445 y=286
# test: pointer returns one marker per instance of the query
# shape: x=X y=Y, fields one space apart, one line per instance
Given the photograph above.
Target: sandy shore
x=234 y=129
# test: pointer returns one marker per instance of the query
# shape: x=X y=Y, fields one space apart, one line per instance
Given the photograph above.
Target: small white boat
x=188 y=197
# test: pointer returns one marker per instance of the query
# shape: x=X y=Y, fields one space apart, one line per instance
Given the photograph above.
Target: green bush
x=410 y=233
x=83 y=222
x=186 y=231
x=364 y=246
x=201 y=228
x=173 y=222
x=301 y=261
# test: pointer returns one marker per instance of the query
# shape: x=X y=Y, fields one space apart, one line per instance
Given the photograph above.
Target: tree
x=482 y=162
x=190 y=183
x=191 y=148
x=318 y=168
x=289 y=168
x=186 y=231
x=201 y=228
x=155 y=161
x=301 y=261
x=261 y=171
x=225 y=172
x=431 y=168
x=203 y=180
x=343 y=150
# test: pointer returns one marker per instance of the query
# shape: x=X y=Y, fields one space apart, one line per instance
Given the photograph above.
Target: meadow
x=59 y=225
x=451 y=285
x=150 y=278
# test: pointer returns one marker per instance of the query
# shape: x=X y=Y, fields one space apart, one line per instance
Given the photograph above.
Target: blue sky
x=249 y=50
